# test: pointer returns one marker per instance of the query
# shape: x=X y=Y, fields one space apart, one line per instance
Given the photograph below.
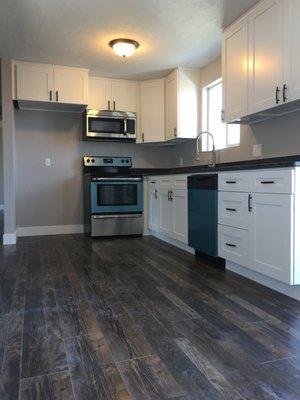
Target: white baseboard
x=288 y=290
x=9 y=238
x=174 y=242
x=49 y=230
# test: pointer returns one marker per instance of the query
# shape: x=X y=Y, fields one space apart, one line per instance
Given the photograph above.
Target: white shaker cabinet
x=124 y=95
x=266 y=55
x=71 y=85
x=258 y=228
x=271 y=238
x=235 y=70
x=34 y=82
x=152 y=110
x=167 y=206
x=153 y=204
x=51 y=84
x=182 y=103
x=100 y=93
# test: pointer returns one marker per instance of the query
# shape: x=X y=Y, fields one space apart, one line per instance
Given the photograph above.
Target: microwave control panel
x=99 y=161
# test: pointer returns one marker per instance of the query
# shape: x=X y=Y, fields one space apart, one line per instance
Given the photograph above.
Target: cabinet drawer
x=273 y=181
x=165 y=181
x=235 y=181
x=233 y=244
x=179 y=181
x=233 y=209
x=153 y=180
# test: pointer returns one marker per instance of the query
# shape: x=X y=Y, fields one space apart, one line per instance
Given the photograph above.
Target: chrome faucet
x=212 y=163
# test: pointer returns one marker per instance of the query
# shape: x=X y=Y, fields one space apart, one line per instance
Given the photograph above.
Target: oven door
x=116 y=195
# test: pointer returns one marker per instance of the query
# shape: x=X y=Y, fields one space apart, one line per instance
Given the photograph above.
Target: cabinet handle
x=277 y=94
x=230 y=209
x=230 y=245
x=50 y=95
x=267 y=182
x=230 y=182
x=108 y=103
x=171 y=195
x=284 y=98
x=114 y=103
x=175 y=132
x=152 y=182
x=155 y=193
x=222 y=115
x=56 y=95
x=143 y=137
x=249 y=202
x=168 y=195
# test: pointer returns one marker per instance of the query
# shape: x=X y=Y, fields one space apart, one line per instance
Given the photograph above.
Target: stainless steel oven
x=113 y=197
x=109 y=125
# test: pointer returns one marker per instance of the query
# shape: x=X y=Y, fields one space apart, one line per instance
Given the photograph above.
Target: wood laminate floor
x=135 y=318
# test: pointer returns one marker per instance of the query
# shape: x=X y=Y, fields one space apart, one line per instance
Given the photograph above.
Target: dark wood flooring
x=135 y=318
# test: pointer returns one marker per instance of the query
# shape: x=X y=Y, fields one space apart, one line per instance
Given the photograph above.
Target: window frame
x=206 y=140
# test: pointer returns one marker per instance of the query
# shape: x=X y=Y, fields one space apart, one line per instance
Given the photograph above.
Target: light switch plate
x=48 y=162
x=181 y=161
x=256 y=150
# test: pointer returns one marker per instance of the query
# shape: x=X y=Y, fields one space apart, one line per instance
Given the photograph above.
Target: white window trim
x=206 y=147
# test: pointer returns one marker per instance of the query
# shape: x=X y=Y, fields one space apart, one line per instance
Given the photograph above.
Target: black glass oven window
x=110 y=194
x=106 y=125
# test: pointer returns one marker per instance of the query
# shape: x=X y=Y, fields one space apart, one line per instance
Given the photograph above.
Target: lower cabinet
x=167 y=207
x=258 y=230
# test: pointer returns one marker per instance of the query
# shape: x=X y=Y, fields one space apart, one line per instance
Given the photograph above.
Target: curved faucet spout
x=212 y=163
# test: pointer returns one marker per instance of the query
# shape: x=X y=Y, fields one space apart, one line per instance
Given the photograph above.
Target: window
x=225 y=135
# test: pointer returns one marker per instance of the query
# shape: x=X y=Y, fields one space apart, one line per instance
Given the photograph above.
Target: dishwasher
x=203 y=213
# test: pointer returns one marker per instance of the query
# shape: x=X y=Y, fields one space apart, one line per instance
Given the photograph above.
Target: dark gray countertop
x=275 y=162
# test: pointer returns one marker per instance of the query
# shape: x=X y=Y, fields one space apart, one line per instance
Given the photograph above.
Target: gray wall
x=279 y=137
x=53 y=195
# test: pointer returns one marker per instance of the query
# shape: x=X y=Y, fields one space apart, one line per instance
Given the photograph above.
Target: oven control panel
x=99 y=161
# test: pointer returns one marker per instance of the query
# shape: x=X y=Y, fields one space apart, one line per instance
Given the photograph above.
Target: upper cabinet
x=235 y=71
x=182 y=103
x=111 y=94
x=50 y=83
x=261 y=58
x=266 y=55
x=152 y=109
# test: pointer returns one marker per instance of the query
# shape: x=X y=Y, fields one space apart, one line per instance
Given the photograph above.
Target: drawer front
x=179 y=181
x=233 y=244
x=152 y=180
x=233 y=209
x=273 y=181
x=235 y=181
x=165 y=181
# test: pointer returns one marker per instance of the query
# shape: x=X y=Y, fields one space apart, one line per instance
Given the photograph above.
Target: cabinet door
x=100 y=94
x=266 y=55
x=124 y=96
x=71 y=85
x=292 y=49
x=171 y=86
x=34 y=82
x=165 y=212
x=271 y=235
x=153 y=206
x=179 y=217
x=152 y=100
x=235 y=70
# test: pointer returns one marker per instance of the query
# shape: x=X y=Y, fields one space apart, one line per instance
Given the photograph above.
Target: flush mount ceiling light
x=124 y=47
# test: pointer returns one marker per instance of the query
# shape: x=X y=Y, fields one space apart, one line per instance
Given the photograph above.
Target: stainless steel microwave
x=109 y=125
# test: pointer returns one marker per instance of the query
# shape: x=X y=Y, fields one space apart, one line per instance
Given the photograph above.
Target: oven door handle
x=116 y=216
x=117 y=179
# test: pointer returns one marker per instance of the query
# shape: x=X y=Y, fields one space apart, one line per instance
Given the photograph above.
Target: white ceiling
x=171 y=33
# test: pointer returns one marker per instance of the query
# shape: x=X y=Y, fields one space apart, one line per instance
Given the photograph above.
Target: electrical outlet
x=256 y=150
x=181 y=161
x=48 y=162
